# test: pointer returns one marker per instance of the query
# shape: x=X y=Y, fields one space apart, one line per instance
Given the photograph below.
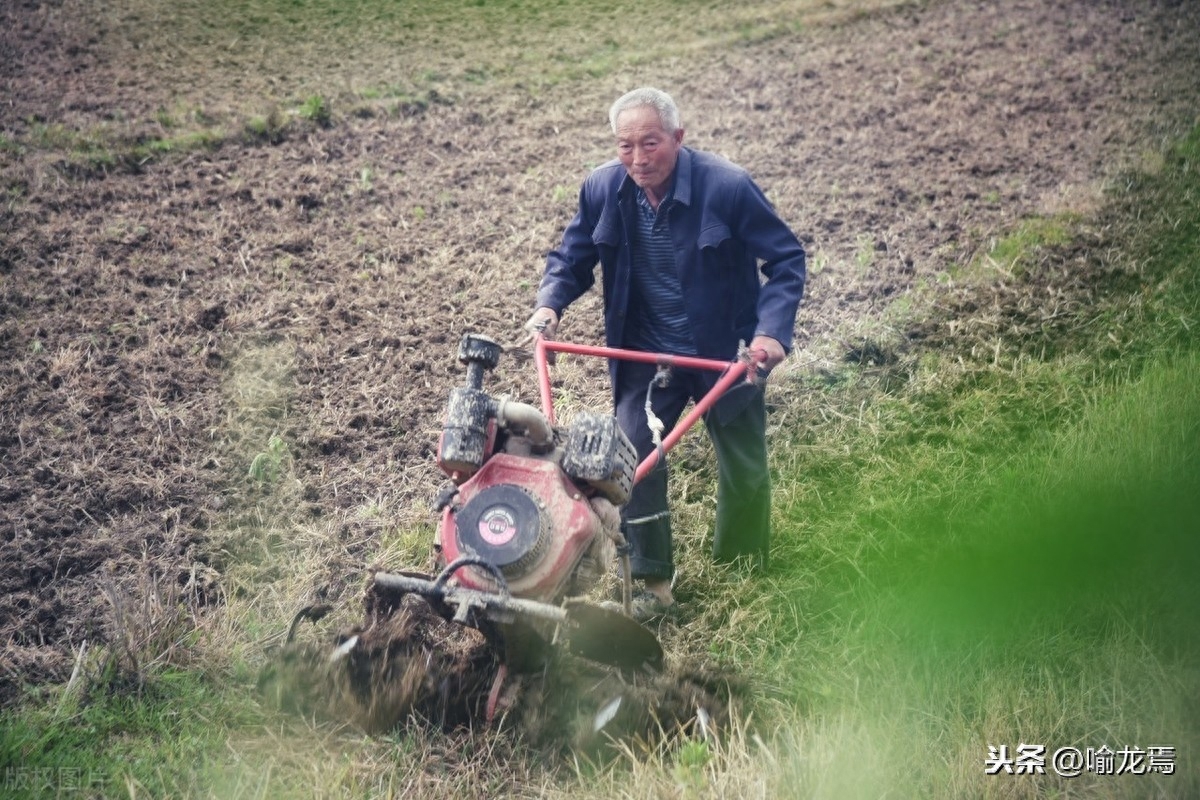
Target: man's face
x=646 y=150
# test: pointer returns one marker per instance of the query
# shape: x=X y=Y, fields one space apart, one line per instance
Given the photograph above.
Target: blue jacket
x=723 y=228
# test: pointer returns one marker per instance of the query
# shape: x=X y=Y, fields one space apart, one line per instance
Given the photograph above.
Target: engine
x=539 y=503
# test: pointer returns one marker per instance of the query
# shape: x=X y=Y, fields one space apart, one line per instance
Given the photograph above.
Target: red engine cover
x=545 y=498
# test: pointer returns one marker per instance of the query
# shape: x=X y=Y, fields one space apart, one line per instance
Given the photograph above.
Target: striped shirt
x=658 y=321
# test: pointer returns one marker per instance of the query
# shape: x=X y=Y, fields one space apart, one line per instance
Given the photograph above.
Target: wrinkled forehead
x=639 y=121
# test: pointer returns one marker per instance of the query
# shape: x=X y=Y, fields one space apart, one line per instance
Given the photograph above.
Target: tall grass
x=1058 y=609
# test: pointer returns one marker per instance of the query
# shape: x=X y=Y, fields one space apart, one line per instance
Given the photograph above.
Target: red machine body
x=531 y=519
x=525 y=516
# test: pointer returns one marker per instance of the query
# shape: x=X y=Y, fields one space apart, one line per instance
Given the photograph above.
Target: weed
x=187 y=142
x=152 y=624
x=817 y=262
x=1012 y=253
x=316 y=109
x=865 y=252
x=690 y=763
x=165 y=118
x=409 y=106
x=269 y=464
x=270 y=127
x=563 y=194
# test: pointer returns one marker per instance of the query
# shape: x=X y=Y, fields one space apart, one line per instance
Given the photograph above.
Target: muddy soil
x=406 y=664
x=161 y=318
x=402 y=661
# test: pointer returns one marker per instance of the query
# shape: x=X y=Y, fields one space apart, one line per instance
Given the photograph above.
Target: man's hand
x=543 y=321
x=767 y=353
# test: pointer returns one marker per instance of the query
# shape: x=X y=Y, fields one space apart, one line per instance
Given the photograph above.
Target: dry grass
x=259 y=56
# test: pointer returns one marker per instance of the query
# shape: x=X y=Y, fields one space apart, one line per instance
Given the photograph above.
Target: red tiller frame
x=734 y=371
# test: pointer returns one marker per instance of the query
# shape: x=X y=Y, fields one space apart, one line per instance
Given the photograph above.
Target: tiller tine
x=591 y=631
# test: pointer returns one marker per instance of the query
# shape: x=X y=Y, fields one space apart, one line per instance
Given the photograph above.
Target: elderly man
x=682 y=237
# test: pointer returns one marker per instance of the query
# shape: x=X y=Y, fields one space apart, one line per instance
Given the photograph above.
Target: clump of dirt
x=408 y=665
x=588 y=708
x=403 y=662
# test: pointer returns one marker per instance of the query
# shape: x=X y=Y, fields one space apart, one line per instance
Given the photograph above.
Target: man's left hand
x=767 y=353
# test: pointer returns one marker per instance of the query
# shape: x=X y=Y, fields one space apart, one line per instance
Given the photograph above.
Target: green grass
x=188 y=142
x=267 y=465
x=1009 y=254
x=152 y=743
x=1049 y=599
x=316 y=109
x=271 y=127
x=461 y=41
x=108 y=146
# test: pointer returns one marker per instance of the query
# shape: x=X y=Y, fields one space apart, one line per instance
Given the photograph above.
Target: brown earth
x=162 y=318
x=406 y=662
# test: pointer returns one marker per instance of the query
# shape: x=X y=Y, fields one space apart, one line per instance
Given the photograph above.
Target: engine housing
x=527 y=517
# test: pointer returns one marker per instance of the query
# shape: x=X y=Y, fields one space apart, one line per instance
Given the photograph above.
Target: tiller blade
x=591 y=631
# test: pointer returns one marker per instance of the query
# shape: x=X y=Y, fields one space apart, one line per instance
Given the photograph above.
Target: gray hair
x=660 y=101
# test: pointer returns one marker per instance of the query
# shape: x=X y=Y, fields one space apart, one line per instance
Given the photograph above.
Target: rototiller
x=531 y=518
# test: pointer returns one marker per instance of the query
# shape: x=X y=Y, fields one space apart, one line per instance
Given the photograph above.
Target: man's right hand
x=543 y=321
